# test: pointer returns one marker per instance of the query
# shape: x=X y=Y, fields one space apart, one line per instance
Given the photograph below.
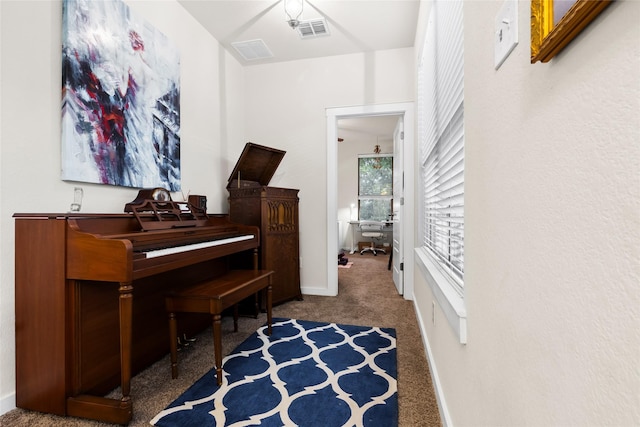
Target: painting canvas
x=120 y=98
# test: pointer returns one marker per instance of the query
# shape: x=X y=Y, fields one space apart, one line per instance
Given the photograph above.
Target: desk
x=355 y=232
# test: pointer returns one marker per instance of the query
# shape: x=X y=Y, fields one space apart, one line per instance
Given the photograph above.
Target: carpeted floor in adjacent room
x=366 y=297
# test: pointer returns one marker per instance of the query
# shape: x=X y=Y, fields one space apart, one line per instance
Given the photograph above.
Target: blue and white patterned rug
x=304 y=374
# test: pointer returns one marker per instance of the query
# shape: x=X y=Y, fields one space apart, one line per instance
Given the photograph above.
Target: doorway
x=403 y=239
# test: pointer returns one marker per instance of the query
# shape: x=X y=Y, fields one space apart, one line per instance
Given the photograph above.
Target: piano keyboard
x=194 y=246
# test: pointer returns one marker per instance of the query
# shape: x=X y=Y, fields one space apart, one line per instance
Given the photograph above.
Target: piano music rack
x=167 y=214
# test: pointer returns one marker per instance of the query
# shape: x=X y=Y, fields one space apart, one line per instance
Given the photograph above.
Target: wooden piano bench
x=212 y=297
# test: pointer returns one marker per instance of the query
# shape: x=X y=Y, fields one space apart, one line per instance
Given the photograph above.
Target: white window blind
x=441 y=139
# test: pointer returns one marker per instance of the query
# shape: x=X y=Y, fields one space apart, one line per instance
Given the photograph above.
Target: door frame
x=333 y=115
x=398 y=207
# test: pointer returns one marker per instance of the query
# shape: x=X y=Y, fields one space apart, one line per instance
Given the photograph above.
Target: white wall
x=285 y=108
x=552 y=232
x=30 y=36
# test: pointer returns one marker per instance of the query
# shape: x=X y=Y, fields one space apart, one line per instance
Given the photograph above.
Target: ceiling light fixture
x=377 y=164
x=293 y=9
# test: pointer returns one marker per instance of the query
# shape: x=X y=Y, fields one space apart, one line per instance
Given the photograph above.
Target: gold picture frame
x=548 y=39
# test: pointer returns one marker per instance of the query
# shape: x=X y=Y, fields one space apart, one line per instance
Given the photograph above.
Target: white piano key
x=194 y=246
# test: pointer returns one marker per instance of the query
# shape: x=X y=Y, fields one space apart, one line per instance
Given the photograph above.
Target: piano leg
x=126 y=332
x=117 y=411
x=269 y=304
x=173 y=344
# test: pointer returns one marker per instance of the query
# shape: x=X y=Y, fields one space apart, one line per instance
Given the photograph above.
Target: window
x=441 y=151
x=443 y=191
x=375 y=187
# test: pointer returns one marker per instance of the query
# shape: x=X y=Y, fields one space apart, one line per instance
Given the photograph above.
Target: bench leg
x=173 y=344
x=256 y=305
x=217 y=346
x=235 y=318
x=269 y=298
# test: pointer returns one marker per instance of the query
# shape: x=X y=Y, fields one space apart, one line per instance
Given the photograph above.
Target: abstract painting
x=120 y=98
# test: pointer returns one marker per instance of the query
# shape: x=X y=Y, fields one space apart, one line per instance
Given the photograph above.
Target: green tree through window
x=375 y=187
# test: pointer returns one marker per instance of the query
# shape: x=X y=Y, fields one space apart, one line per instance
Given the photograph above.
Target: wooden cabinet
x=274 y=210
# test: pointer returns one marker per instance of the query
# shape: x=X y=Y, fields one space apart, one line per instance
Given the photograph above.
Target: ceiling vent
x=252 y=49
x=313 y=28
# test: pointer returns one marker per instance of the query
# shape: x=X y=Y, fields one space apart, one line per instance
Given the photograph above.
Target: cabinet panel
x=275 y=211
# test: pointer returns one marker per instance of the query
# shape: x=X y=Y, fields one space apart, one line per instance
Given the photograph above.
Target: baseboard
x=311 y=290
x=8 y=403
x=435 y=379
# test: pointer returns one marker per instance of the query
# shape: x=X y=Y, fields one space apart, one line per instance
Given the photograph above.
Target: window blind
x=441 y=138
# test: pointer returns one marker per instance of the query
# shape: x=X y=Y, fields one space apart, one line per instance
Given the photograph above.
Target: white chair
x=373 y=231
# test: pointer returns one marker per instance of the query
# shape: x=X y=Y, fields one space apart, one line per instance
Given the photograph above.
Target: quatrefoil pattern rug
x=304 y=374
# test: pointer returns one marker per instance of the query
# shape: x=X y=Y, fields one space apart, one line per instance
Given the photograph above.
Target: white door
x=398 y=204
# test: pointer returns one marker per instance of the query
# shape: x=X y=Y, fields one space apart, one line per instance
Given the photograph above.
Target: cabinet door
x=282 y=258
x=280 y=247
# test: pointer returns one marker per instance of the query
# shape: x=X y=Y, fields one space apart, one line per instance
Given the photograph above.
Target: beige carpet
x=366 y=297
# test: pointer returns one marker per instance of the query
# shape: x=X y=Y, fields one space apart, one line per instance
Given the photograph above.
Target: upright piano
x=89 y=301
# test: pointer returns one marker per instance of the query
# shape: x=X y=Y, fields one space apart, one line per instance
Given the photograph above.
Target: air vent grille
x=253 y=49
x=313 y=28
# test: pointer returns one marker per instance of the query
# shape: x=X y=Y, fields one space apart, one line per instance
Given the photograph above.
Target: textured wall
x=552 y=207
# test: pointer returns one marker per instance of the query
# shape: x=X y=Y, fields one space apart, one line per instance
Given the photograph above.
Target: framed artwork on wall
x=120 y=98
x=554 y=23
